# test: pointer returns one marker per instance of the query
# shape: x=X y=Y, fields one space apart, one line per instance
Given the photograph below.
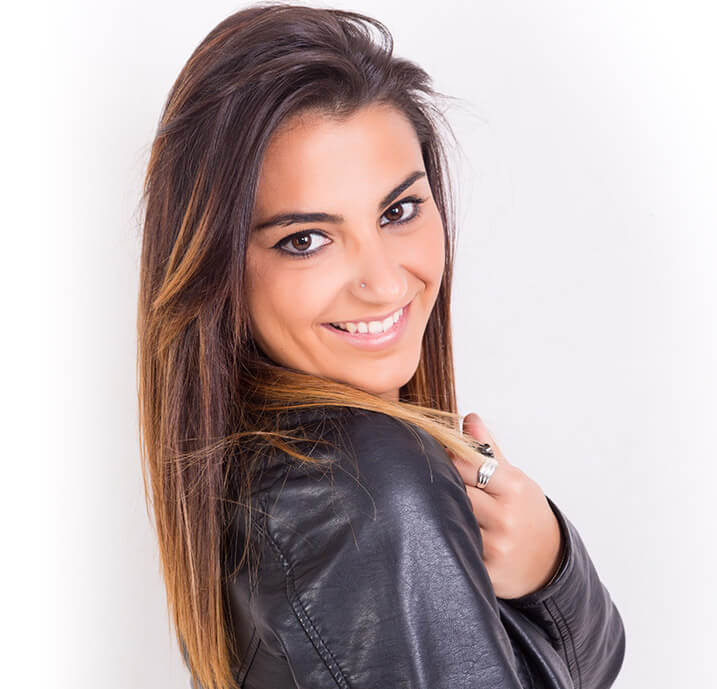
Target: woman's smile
x=374 y=333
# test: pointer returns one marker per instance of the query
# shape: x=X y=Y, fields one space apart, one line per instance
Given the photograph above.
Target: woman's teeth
x=372 y=327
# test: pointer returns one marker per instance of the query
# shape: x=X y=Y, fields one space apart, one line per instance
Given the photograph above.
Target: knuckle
x=515 y=481
x=503 y=547
x=508 y=522
x=516 y=486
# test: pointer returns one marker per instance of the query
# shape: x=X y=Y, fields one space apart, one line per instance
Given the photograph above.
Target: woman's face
x=375 y=222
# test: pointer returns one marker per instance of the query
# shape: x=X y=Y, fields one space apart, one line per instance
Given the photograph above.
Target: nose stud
x=363 y=284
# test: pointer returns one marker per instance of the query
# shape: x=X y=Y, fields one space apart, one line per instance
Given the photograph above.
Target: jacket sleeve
x=372 y=573
x=578 y=615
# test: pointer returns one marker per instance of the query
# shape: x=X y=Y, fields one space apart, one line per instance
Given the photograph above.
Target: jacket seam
x=565 y=636
x=248 y=658
x=305 y=620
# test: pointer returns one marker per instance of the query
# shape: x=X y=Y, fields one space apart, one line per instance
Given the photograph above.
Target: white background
x=584 y=305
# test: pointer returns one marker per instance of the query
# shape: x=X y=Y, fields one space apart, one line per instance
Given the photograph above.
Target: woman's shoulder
x=372 y=565
x=358 y=443
x=372 y=470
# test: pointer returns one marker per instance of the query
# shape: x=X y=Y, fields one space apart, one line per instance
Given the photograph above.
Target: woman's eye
x=300 y=244
x=398 y=218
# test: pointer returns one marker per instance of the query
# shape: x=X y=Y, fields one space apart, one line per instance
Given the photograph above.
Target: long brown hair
x=208 y=397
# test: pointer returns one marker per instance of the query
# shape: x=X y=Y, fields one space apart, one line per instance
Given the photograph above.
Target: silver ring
x=487 y=469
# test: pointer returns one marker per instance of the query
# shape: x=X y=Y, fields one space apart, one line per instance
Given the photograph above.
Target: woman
x=323 y=520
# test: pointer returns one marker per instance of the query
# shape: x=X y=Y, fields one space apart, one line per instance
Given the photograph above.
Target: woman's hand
x=521 y=535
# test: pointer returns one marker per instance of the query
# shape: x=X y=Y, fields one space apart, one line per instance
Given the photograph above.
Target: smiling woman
x=369 y=254
x=298 y=417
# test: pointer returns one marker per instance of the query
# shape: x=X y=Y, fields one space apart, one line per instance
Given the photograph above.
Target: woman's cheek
x=428 y=250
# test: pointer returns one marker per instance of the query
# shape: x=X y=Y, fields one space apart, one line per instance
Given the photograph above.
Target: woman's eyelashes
x=300 y=247
x=409 y=199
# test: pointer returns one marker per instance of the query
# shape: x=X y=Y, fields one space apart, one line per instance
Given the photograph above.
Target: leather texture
x=372 y=576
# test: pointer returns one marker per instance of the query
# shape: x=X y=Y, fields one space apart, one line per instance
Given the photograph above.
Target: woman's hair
x=210 y=401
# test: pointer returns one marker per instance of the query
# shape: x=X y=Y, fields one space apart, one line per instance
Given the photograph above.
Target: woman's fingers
x=497 y=484
x=486 y=509
x=484 y=504
x=474 y=426
x=520 y=535
x=469 y=473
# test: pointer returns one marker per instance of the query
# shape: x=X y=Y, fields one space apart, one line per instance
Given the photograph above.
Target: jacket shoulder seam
x=248 y=658
x=305 y=620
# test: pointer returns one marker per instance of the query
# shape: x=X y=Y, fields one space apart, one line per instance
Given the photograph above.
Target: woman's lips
x=374 y=341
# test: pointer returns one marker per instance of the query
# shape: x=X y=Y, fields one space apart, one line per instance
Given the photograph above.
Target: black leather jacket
x=372 y=577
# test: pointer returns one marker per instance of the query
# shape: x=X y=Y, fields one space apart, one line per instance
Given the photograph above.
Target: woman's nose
x=380 y=271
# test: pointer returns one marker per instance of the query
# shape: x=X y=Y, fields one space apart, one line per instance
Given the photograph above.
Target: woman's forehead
x=317 y=159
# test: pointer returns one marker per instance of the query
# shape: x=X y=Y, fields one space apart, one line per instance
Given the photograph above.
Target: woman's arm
x=578 y=615
x=372 y=574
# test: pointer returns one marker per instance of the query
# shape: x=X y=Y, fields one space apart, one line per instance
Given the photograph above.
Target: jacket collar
x=299 y=416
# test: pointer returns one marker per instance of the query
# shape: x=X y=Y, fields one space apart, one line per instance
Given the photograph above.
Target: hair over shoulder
x=209 y=399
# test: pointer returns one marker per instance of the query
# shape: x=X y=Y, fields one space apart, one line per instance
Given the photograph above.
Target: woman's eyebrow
x=295 y=217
